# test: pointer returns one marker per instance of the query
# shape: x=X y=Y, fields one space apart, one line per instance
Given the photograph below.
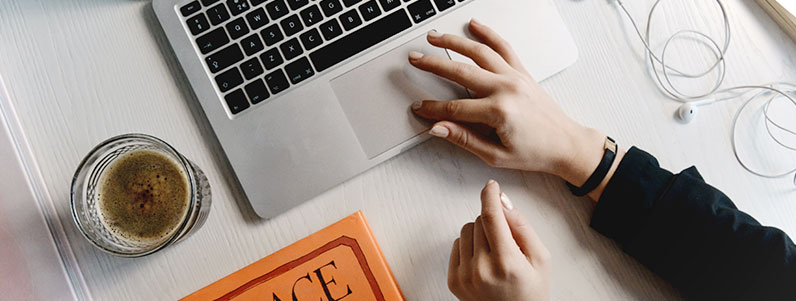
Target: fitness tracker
x=599 y=174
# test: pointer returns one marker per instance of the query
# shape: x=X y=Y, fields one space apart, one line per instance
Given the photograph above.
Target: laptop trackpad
x=376 y=96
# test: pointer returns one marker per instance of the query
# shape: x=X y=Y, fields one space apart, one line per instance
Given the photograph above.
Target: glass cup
x=85 y=191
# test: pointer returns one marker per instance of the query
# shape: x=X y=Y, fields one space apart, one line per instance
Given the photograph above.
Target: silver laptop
x=305 y=94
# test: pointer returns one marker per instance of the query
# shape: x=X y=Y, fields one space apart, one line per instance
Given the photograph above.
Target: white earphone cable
x=660 y=68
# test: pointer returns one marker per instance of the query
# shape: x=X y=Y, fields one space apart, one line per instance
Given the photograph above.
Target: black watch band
x=599 y=174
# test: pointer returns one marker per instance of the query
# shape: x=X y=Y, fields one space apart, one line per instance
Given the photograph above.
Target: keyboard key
x=212 y=40
x=360 y=40
x=349 y=3
x=389 y=5
x=444 y=4
x=257 y=91
x=311 y=39
x=331 y=29
x=296 y=4
x=272 y=35
x=236 y=101
x=237 y=6
x=331 y=7
x=224 y=58
x=369 y=10
x=291 y=49
x=252 y=44
x=251 y=68
x=208 y=2
x=291 y=25
x=257 y=2
x=237 y=28
x=257 y=18
x=190 y=8
x=311 y=15
x=217 y=14
x=276 y=81
x=350 y=19
x=198 y=24
x=276 y=9
x=421 y=10
x=299 y=70
x=229 y=79
x=271 y=58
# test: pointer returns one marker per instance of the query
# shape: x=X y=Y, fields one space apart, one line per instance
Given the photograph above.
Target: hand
x=499 y=257
x=529 y=130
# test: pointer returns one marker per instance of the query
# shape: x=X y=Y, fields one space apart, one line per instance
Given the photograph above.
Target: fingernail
x=415 y=55
x=434 y=34
x=439 y=131
x=490 y=182
x=475 y=21
x=504 y=199
x=417 y=105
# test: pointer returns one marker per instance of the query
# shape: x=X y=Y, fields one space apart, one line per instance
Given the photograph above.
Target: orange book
x=340 y=262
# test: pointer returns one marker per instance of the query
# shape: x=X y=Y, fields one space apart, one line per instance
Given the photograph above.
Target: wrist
x=582 y=156
x=597 y=192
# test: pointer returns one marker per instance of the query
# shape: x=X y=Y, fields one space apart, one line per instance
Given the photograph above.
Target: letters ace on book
x=340 y=262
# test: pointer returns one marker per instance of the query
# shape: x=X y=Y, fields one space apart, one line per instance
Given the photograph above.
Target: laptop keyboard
x=255 y=49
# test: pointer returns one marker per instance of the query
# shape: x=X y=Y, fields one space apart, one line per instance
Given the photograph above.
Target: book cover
x=340 y=262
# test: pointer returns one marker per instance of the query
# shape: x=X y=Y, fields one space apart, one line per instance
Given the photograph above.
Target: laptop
x=306 y=94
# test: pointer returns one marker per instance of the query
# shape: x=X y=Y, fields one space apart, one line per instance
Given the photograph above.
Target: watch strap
x=599 y=174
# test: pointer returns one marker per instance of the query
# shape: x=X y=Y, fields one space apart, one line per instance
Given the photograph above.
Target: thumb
x=521 y=230
x=467 y=139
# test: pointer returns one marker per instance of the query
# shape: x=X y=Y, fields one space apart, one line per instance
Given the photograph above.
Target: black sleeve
x=692 y=235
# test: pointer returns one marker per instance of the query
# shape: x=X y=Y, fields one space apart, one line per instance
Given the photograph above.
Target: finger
x=463 y=110
x=466 y=243
x=453 y=265
x=454 y=260
x=464 y=137
x=478 y=80
x=495 y=226
x=481 y=54
x=480 y=244
x=497 y=43
x=529 y=242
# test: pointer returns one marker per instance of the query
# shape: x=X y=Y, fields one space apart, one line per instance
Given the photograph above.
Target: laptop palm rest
x=377 y=95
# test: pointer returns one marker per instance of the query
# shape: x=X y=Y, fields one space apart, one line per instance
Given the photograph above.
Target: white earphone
x=688 y=110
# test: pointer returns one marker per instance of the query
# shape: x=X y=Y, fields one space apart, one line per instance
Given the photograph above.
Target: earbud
x=687 y=112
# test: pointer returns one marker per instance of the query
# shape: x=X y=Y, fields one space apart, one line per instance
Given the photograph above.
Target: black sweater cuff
x=627 y=201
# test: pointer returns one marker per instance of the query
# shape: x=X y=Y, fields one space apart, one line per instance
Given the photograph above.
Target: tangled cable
x=663 y=73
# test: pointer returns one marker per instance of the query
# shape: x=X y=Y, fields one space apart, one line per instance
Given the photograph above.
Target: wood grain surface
x=80 y=71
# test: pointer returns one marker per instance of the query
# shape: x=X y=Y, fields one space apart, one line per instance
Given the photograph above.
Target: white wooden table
x=80 y=71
